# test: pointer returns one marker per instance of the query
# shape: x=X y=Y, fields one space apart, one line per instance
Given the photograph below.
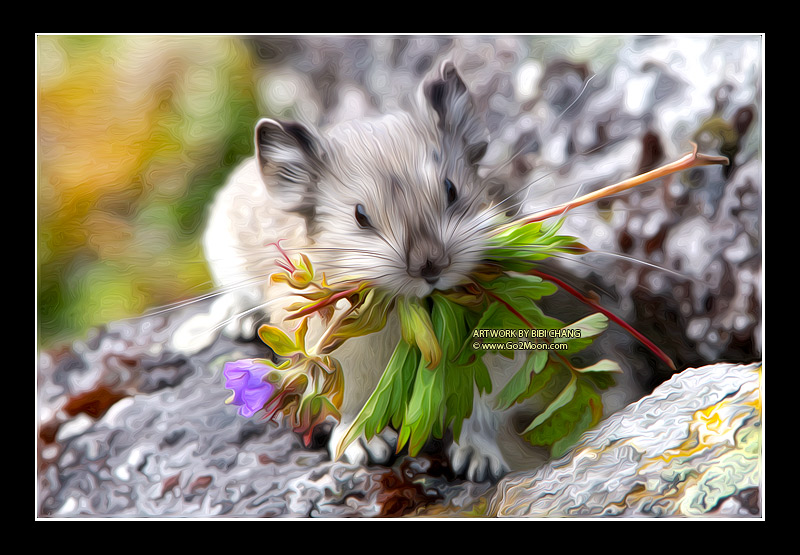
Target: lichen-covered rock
x=691 y=448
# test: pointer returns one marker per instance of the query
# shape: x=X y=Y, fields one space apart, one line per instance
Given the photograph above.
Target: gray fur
x=395 y=167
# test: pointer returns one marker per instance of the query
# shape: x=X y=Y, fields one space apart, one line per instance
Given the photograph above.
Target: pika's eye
x=450 y=191
x=362 y=219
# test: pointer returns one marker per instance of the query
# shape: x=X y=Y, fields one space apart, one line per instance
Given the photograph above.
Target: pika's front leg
x=477 y=454
x=489 y=446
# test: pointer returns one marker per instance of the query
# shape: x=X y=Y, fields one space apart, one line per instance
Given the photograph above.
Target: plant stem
x=323 y=303
x=510 y=308
x=329 y=331
x=613 y=317
x=690 y=160
x=289 y=266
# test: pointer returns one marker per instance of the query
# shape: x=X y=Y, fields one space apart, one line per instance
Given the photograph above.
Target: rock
x=114 y=441
x=691 y=448
x=174 y=448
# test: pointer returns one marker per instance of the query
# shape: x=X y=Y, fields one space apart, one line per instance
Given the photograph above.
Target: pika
x=397 y=200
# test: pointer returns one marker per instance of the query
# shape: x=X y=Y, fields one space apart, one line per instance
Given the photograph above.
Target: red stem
x=324 y=302
x=291 y=267
x=575 y=293
x=509 y=307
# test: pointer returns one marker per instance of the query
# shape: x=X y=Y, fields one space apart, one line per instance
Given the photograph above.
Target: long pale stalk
x=688 y=161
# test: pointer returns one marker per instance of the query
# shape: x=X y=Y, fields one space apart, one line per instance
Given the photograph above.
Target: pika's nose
x=430 y=271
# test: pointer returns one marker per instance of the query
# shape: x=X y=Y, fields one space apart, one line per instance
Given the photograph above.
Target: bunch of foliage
x=429 y=382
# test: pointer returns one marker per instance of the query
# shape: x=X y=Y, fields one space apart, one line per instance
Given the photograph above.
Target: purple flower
x=246 y=379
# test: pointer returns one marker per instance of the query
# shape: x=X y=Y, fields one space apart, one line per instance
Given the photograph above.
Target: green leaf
x=548 y=376
x=512 y=306
x=417 y=328
x=388 y=401
x=523 y=233
x=601 y=380
x=487 y=316
x=483 y=379
x=563 y=398
x=588 y=328
x=584 y=422
x=496 y=316
x=521 y=288
x=518 y=385
x=515 y=296
x=278 y=341
x=604 y=365
x=369 y=316
x=591 y=325
x=459 y=390
x=515 y=248
x=448 y=323
x=424 y=411
x=564 y=426
x=450 y=327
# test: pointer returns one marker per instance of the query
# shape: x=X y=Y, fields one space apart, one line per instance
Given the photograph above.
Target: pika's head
x=395 y=200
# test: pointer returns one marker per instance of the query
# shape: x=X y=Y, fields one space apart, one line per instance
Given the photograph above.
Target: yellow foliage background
x=135 y=133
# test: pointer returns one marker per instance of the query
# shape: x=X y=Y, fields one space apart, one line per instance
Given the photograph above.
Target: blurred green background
x=135 y=133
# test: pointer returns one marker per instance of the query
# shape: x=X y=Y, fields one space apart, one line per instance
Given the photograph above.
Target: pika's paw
x=476 y=455
x=477 y=458
x=378 y=450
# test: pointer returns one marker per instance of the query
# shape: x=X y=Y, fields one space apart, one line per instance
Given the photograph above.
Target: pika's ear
x=290 y=159
x=458 y=120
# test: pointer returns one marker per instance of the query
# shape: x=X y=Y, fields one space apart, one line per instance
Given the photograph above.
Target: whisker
x=506 y=225
x=596 y=286
x=337 y=250
x=492 y=212
x=579 y=252
x=628 y=258
x=377 y=232
x=218 y=292
x=341 y=274
x=523 y=147
x=350 y=276
x=577 y=98
x=242 y=314
x=498 y=209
